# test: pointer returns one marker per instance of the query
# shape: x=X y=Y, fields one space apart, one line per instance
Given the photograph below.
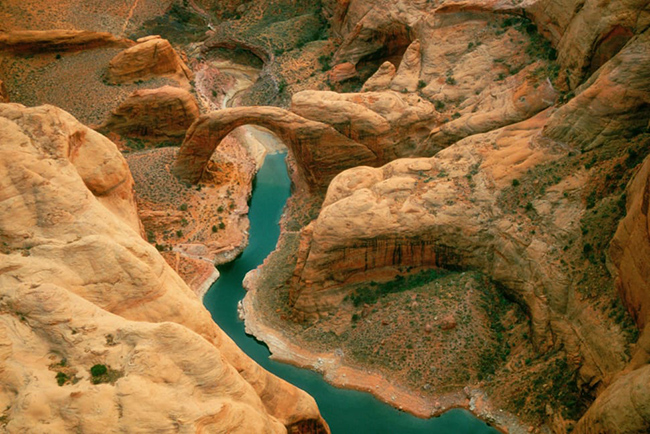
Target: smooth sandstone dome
x=80 y=287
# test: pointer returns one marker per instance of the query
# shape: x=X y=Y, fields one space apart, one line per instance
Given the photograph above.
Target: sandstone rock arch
x=320 y=151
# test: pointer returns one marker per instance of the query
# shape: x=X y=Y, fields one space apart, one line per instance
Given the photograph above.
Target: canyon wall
x=81 y=288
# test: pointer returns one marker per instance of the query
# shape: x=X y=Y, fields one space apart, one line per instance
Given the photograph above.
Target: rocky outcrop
x=79 y=288
x=381 y=79
x=102 y=169
x=614 y=101
x=155 y=114
x=622 y=408
x=39 y=41
x=630 y=251
x=320 y=150
x=515 y=99
x=588 y=33
x=443 y=212
x=342 y=72
x=408 y=74
x=391 y=124
x=151 y=56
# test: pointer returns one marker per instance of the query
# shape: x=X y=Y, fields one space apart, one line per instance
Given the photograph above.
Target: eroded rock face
x=614 y=101
x=391 y=124
x=80 y=287
x=629 y=252
x=156 y=114
x=58 y=135
x=38 y=41
x=320 y=150
x=411 y=213
x=624 y=407
x=152 y=56
x=588 y=33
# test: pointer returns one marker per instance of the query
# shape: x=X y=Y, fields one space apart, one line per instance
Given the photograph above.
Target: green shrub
x=61 y=378
x=98 y=370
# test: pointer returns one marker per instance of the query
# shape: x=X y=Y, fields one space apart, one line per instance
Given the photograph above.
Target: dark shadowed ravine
x=346 y=411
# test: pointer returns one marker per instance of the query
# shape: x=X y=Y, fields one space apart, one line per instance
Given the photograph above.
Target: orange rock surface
x=151 y=56
x=154 y=114
x=80 y=287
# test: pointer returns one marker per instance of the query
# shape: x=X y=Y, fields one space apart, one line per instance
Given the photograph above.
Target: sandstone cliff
x=81 y=288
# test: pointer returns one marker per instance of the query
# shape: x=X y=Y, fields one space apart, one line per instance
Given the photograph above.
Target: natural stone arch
x=320 y=151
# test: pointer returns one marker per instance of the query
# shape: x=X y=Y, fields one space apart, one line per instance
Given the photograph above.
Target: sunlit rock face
x=79 y=287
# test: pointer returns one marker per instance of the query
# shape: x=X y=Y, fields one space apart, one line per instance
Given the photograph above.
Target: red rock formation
x=342 y=72
x=588 y=33
x=38 y=41
x=156 y=114
x=615 y=100
x=320 y=150
x=629 y=251
x=622 y=408
x=152 y=56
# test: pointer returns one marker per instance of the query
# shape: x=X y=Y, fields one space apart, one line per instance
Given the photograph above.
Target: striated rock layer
x=80 y=287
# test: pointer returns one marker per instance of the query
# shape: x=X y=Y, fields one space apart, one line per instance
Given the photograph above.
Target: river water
x=346 y=411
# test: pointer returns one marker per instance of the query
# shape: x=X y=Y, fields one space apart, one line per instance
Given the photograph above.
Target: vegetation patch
x=104 y=374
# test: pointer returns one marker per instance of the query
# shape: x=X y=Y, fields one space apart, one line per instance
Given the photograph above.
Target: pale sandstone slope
x=75 y=270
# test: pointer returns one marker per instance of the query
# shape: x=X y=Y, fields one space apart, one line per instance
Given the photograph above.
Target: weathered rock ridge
x=80 y=287
x=39 y=41
x=155 y=114
x=151 y=56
